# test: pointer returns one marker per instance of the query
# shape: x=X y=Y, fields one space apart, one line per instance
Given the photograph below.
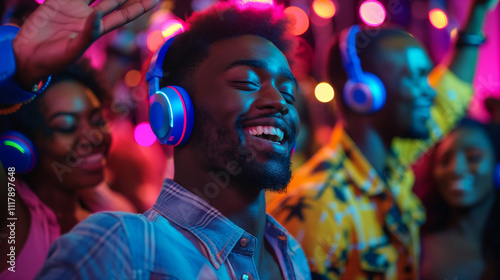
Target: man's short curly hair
x=223 y=20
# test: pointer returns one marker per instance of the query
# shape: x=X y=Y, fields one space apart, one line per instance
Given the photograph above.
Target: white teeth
x=260 y=130
x=268 y=130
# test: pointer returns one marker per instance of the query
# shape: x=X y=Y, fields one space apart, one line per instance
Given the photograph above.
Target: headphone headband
x=171 y=112
x=363 y=92
x=349 y=53
x=155 y=72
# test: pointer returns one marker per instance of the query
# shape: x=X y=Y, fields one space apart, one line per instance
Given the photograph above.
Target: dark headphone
x=171 y=112
x=363 y=92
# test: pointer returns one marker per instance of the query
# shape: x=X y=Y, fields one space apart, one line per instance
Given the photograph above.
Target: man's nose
x=272 y=100
x=458 y=165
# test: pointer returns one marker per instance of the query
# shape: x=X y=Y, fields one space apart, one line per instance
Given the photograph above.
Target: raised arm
x=464 y=58
x=59 y=31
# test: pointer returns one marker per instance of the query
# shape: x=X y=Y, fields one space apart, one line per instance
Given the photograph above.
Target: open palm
x=59 y=31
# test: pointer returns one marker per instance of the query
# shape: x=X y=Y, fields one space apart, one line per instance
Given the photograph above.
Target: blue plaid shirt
x=181 y=237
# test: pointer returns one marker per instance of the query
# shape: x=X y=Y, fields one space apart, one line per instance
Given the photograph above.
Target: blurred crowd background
x=137 y=159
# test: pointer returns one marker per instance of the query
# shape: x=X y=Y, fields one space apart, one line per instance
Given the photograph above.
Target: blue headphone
x=496 y=175
x=363 y=92
x=171 y=112
x=16 y=150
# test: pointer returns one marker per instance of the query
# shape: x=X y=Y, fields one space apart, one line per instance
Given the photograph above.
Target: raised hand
x=59 y=31
x=489 y=4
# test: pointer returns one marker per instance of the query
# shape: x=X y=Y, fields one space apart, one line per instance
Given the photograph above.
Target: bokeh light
x=438 y=18
x=155 y=40
x=454 y=33
x=299 y=19
x=40 y=1
x=372 y=13
x=143 y=134
x=171 y=28
x=132 y=78
x=324 y=92
x=324 y=8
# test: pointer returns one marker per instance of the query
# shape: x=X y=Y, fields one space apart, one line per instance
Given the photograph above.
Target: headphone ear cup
x=496 y=175
x=17 y=151
x=366 y=96
x=171 y=115
x=377 y=90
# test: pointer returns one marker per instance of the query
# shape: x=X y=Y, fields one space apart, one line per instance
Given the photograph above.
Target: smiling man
x=210 y=222
x=351 y=206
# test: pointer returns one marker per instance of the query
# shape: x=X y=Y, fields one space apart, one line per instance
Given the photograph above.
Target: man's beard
x=224 y=153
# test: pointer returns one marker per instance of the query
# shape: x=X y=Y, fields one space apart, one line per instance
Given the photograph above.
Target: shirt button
x=245 y=277
x=244 y=243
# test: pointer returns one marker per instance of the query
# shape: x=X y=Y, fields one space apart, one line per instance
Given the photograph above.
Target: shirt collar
x=215 y=232
x=357 y=167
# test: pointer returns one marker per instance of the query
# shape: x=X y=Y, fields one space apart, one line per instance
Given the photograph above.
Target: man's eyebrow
x=247 y=62
x=261 y=65
x=288 y=74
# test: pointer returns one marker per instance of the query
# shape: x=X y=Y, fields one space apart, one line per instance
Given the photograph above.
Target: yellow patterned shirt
x=352 y=223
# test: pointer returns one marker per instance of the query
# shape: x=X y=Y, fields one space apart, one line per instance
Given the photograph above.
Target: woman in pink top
x=67 y=126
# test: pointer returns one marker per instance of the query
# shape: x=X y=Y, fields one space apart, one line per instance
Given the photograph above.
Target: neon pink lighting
x=40 y=1
x=263 y=4
x=185 y=116
x=372 y=13
x=143 y=134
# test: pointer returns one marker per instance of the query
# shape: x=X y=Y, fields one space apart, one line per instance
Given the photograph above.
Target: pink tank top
x=44 y=230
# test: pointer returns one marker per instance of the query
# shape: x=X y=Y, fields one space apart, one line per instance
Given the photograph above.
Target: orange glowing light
x=453 y=33
x=155 y=40
x=438 y=18
x=324 y=8
x=299 y=19
x=132 y=78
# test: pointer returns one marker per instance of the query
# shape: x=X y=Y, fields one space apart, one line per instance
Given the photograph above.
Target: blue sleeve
x=97 y=248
